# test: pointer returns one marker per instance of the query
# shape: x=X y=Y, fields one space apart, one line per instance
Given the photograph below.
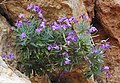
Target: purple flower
x=56 y=47
x=18 y=23
x=38 y=30
x=92 y=29
x=61 y=19
x=22 y=36
x=108 y=74
x=86 y=17
x=56 y=26
x=71 y=33
x=68 y=22
x=29 y=6
x=102 y=46
x=64 y=26
x=107 y=45
x=75 y=38
x=71 y=19
x=21 y=15
x=40 y=14
x=65 y=54
x=75 y=21
x=12 y=28
x=35 y=8
x=69 y=38
x=103 y=41
x=106 y=68
x=95 y=51
x=67 y=61
x=10 y=56
x=42 y=24
x=28 y=22
x=49 y=47
x=90 y=63
x=3 y=56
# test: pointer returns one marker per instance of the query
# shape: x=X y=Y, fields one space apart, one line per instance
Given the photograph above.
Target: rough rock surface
x=89 y=5
x=75 y=77
x=8 y=75
x=108 y=13
x=7 y=41
x=52 y=9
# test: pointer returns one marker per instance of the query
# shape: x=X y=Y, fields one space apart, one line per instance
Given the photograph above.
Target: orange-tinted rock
x=52 y=9
x=108 y=13
x=89 y=5
x=75 y=77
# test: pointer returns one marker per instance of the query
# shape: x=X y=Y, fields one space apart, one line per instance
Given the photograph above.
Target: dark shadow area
x=3 y=12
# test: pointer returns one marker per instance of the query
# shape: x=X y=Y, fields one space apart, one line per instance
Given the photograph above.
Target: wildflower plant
x=57 y=47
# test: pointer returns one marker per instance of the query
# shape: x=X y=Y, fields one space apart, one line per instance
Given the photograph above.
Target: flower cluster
x=63 y=23
x=49 y=47
x=9 y=56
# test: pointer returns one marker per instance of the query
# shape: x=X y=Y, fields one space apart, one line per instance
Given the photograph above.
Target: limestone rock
x=8 y=76
x=108 y=13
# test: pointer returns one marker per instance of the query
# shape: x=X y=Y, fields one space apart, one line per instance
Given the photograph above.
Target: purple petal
x=43 y=24
x=107 y=45
x=21 y=15
x=65 y=54
x=38 y=30
x=108 y=74
x=56 y=47
x=23 y=35
x=106 y=68
x=29 y=6
x=18 y=23
x=71 y=33
x=28 y=22
x=67 y=61
x=92 y=29
x=49 y=47
x=95 y=51
x=3 y=56
x=12 y=28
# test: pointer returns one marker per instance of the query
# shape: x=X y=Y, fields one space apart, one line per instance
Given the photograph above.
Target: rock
x=89 y=5
x=7 y=41
x=40 y=79
x=108 y=13
x=52 y=9
x=8 y=76
x=75 y=77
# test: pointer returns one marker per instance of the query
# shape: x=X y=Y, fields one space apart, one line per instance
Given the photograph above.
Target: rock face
x=89 y=5
x=6 y=74
x=75 y=77
x=52 y=9
x=108 y=13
